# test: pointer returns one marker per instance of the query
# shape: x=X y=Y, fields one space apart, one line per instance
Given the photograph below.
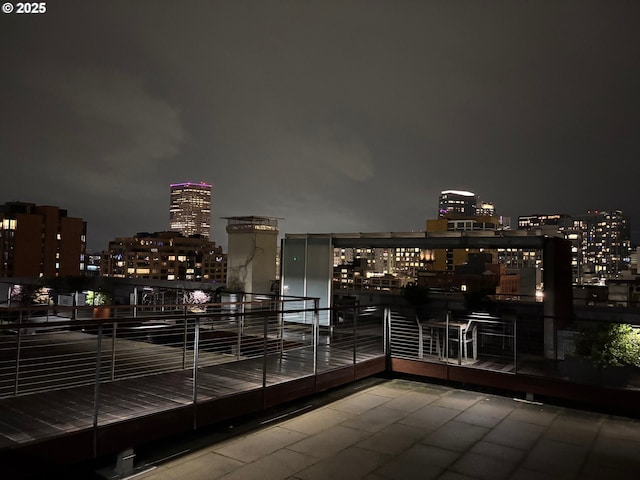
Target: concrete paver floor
x=403 y=429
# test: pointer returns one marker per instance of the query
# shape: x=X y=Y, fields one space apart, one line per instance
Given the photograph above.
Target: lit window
x=9 y=224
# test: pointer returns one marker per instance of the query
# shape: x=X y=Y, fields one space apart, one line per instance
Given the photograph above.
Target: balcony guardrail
x=92 y=372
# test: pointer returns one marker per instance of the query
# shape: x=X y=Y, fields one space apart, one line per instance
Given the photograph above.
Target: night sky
x=339 y=116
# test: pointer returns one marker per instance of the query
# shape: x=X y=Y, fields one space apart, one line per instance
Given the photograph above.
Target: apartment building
x=165 y=256
x=40 y=241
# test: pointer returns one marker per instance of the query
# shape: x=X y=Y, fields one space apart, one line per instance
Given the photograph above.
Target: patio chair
x=469 y=336
x=426 y=332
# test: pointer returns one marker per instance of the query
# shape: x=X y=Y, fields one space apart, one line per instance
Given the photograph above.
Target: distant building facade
x=556 y=224
x=165 y=256
x=486 y=209
x=552 y=222
x=605 y=243
x=376 y=267
x=190 y=210
x=387 y=269
x=40 y=241
x=600 y=241
x=448 y=259
x=479 y=274
x=461 y=204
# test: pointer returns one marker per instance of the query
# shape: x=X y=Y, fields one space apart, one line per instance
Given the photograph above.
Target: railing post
x=281 y=326
x=446 y=338
x=196 y=348
x=264 y=350
x=242 y=310
x=184 y=339
x=96 y=390
x=16 y=381
x=240 y=322
x=355 y=333
x=315 y=333
x=386 y=329
x=386 y=319
x=114 y=329
x=515 y=344
x=135 y=302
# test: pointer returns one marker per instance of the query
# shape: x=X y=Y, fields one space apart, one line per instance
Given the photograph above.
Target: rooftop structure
x=252 y=252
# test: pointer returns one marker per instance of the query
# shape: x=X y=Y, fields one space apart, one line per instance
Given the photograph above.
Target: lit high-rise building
x=190 y=210
x=606 y=242
x=457 y=202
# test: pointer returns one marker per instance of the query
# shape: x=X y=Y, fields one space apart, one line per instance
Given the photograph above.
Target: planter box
x=583 y=370
x=101 y=312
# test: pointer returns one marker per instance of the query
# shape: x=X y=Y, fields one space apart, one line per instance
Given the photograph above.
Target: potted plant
x=604 y=354
x=101 y=302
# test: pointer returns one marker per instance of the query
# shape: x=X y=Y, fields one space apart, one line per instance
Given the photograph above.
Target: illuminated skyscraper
x=457 y=202
x=190 y=211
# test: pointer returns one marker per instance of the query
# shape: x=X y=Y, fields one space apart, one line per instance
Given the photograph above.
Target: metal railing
x=124 y=366
x=516 y=338
x=471 y=339
x=127 y=366
x=81 y=373
x=41 y=349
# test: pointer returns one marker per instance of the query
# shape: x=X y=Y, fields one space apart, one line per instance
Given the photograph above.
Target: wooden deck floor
x=56 y=413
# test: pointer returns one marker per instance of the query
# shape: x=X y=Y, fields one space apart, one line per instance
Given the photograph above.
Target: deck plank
x=162 y=386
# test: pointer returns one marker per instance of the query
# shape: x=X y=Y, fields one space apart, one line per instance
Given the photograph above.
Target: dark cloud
x=336 y=115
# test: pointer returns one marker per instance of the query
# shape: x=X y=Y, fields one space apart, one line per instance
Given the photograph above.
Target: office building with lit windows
x=457 y=202
x=40 y=241
x=556 y=224
x=600 y=241
x=190 y=210
x=165 y=256
x=605 y=243
x=552 y=222
x=485 y=209
x=448 y=259
x=379 y=268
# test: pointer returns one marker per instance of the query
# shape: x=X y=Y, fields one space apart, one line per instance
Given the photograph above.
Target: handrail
x=248 y=345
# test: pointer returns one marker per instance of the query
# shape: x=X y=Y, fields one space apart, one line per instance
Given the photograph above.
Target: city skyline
x=336 y=116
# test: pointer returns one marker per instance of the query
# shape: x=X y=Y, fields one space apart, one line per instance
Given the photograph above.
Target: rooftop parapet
x=252 y=223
